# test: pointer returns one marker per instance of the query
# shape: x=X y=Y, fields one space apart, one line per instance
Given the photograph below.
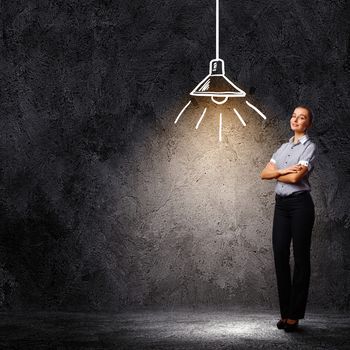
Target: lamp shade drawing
x=218 y=87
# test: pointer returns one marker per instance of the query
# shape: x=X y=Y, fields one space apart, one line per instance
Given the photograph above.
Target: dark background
x=106 y=203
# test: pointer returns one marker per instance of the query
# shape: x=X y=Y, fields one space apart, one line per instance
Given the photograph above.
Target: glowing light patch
x=220 y=129
x=239 y=117
x=183 y=110
x=255 y=109
x=200 y=119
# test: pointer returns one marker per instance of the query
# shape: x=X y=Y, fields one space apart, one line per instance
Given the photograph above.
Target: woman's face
x=300 y=120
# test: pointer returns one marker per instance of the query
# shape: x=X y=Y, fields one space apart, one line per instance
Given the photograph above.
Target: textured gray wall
x=106 y=203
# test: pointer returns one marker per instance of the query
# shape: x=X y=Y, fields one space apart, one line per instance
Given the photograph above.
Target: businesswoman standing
x=294 y=215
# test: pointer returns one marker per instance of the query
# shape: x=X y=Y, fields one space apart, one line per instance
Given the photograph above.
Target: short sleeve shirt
x=303 y=152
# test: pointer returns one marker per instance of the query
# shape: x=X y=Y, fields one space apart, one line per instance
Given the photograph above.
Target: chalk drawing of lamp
x=217 y=86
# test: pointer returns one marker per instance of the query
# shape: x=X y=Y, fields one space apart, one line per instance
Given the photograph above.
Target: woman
x=294 y=217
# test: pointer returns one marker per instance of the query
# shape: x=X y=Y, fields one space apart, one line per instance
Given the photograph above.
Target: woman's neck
x=298 y=136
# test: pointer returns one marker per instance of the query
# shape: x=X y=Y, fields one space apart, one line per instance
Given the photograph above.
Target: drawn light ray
x=220 y=128
x=217 y=86
x=200 y=119
x=183 y=110
x=239 y=117
x=255 y=109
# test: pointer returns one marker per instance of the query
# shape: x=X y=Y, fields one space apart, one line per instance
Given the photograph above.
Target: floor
x=175 y=329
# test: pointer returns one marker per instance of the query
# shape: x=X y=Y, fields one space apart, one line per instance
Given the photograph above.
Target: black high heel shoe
x=291 y=327
x=281 y=324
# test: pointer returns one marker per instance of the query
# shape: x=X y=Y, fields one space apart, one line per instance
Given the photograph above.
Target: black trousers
x=294 y=218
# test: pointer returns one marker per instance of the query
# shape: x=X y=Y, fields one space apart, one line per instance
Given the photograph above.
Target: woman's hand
x=291 y=169
x=270 y=172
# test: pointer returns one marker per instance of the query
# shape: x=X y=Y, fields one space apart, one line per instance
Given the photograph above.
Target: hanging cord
x=217 y=29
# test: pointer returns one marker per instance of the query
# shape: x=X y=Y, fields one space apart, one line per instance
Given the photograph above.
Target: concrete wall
x=106 y=203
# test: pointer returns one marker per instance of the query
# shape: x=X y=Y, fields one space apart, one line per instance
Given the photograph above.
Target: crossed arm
x=289 y=175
